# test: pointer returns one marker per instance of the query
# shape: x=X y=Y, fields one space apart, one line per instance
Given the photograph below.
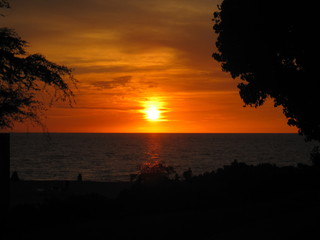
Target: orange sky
x=130 y=54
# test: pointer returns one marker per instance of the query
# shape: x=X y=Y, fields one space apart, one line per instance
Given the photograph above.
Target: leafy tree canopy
x=4 y=4
x=271 y=46
x=23 y=77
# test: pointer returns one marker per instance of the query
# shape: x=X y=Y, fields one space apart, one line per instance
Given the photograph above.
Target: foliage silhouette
x=271 y=46
x=155 y=172
x=23 y=76
x=284 y=200
x=315 y=156
x=4 y=4
x=187 y=174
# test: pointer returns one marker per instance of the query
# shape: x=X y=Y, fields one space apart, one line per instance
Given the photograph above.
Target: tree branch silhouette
x=271 y=46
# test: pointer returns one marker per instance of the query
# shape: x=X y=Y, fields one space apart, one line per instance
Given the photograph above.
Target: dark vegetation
x=28 y=82
x=272 y=46
x=236 y=201
x=24 y=77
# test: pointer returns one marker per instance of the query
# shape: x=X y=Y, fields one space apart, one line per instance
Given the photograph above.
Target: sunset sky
x=142 y=66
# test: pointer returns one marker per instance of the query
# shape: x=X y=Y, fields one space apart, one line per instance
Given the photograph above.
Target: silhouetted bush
x=315 y=156
x=155 y=172
x=187 y=174
x=236 y=196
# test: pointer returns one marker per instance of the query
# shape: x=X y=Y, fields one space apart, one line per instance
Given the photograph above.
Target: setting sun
x=152 y=113
x=153 y=109
x=160 y=78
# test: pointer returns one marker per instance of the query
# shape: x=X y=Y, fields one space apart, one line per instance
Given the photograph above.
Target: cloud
x=132 y=27
x=116 y=82
x=132 y=108
x=107 y=108
x=126 y=47
x=159 y=39
x=118 y=69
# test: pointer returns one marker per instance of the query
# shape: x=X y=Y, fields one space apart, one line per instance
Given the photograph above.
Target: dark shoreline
x=236 y=201
x=35 y=191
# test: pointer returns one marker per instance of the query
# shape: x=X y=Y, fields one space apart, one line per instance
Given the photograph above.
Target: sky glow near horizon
x=131 y=53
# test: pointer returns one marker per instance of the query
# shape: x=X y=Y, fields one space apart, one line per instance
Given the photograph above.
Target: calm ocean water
x=113 y=157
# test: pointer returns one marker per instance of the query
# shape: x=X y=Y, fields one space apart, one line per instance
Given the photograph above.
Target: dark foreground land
x=236 y=202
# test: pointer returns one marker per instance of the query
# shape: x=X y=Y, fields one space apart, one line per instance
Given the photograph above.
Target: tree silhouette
x=4 y=4
x=24 y=76
x=271 y=46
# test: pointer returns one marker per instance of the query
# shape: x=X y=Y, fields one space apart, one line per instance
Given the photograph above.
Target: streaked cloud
x=116 y=82
x=126 y=52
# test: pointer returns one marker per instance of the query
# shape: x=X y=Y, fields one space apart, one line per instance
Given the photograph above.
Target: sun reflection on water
x=153 y=152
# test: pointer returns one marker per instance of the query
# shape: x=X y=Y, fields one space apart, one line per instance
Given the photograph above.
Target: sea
x=108 y=157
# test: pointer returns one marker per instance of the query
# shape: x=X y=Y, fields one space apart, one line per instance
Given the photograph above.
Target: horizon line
x=160 y=132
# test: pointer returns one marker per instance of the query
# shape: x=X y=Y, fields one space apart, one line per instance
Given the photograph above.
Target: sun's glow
x=153 y=110
x=152 y=113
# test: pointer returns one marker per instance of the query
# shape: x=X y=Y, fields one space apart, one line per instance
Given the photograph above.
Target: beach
x=35 y=192
x=237 y=201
